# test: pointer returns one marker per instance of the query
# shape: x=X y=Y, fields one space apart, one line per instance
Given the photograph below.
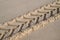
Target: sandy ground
x=49 y=32
x=11 y=8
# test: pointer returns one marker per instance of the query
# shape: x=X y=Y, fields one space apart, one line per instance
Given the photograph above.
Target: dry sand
x=11 y=8
x=49 y=32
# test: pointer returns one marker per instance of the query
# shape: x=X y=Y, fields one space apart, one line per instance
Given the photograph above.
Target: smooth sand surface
x=49 y=32
x=11 y=8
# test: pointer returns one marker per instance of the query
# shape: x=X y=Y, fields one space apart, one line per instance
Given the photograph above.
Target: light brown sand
x=12 y=8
